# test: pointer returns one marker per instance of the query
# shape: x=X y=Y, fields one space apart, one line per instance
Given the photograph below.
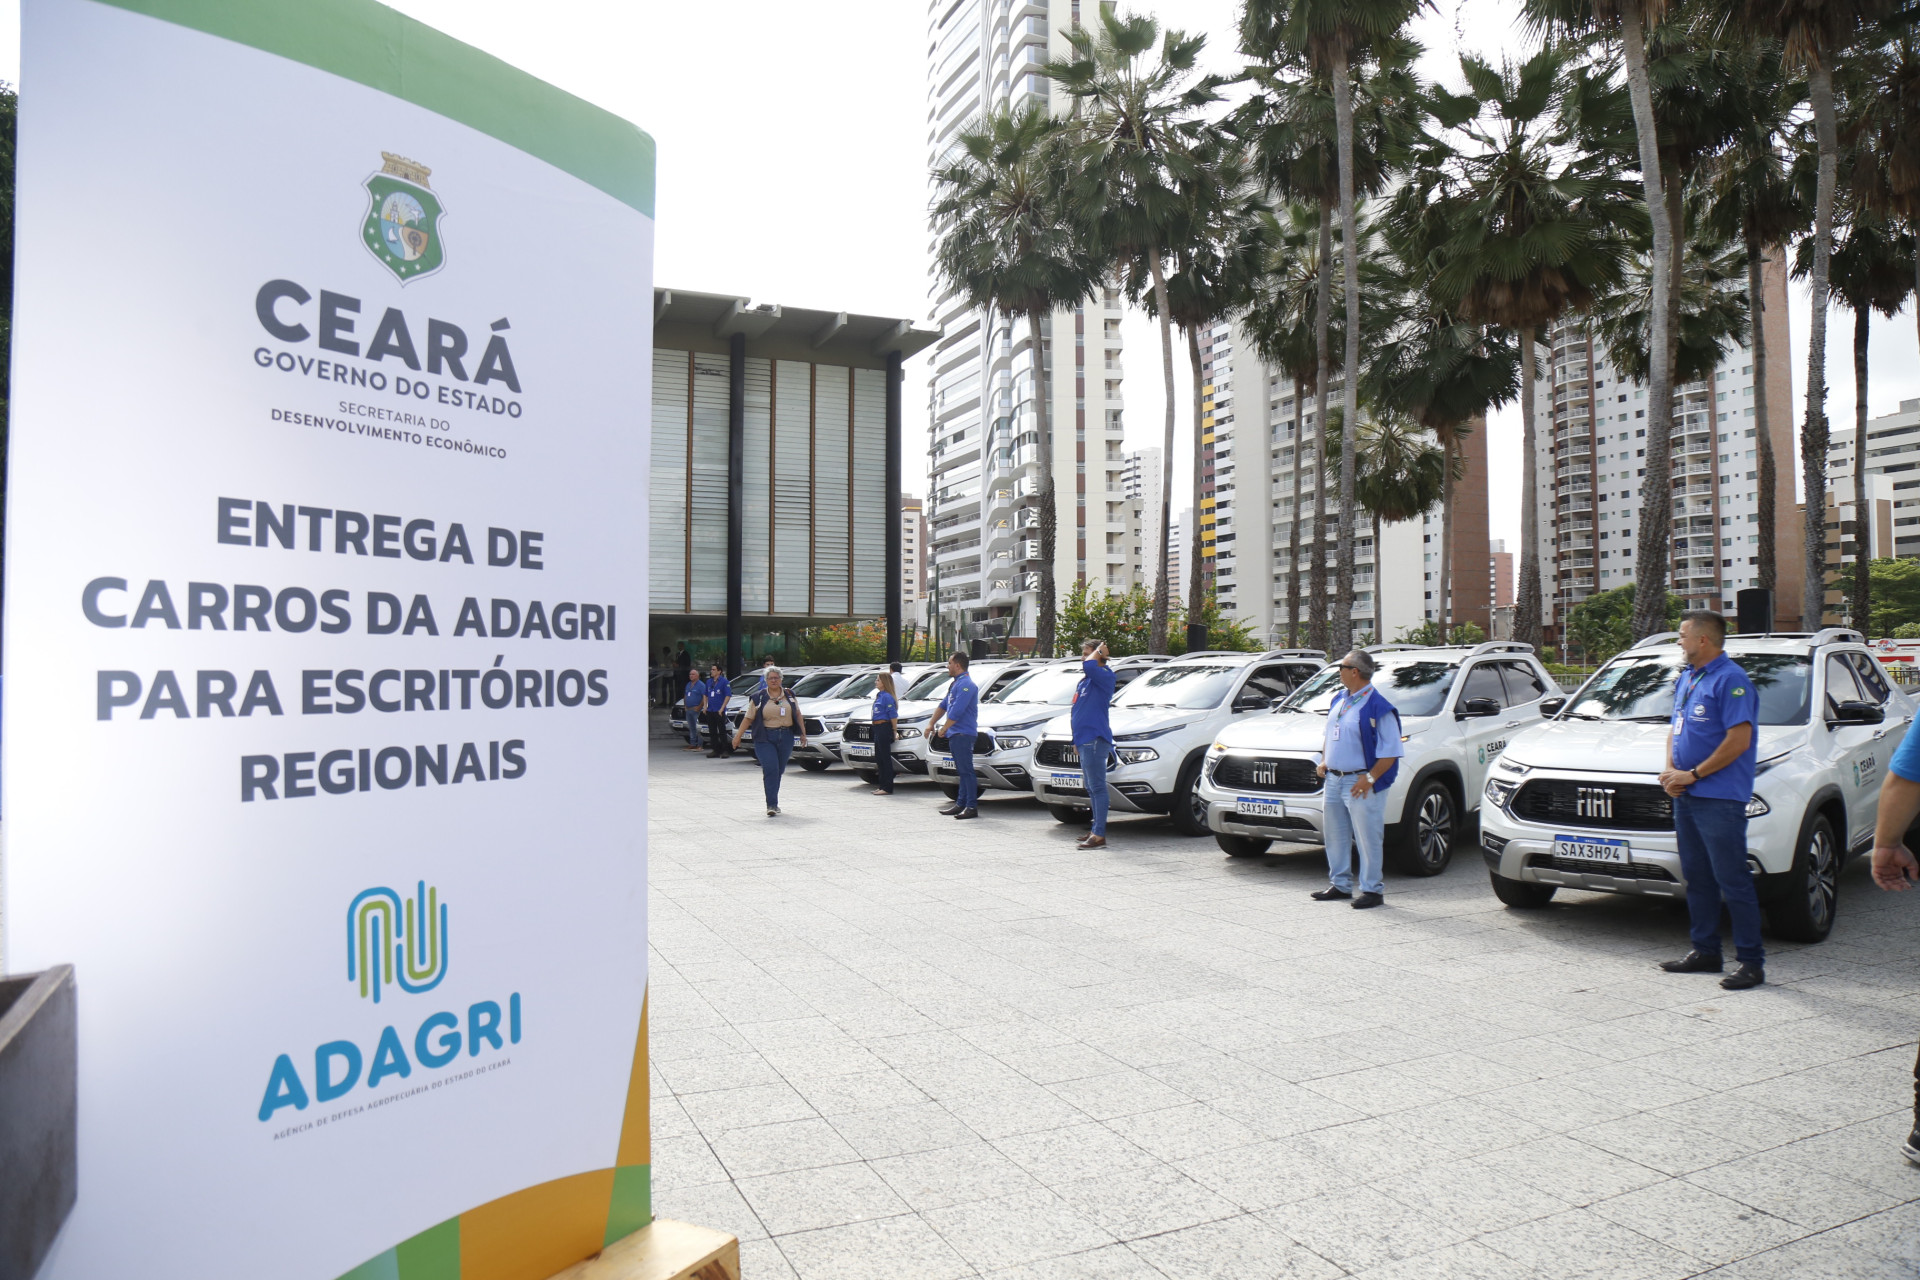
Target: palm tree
x=1712 y=311
x=1444 y=372
x=1401 y=474
x=1631 y=20
x=1886 y=133
x=1528 y=239
x=1334 y=34
x=1008 y=242
x=1872 y=270
x=1136 y=122
x=1813 y=35
x=1754 y=199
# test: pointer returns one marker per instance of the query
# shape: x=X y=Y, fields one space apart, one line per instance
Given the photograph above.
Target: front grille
x=857 y=731
x=982 y=744
x=1618 y=806
x=1631 y=871
x=1057 y=755
x=814 y=726
x=1267 y=773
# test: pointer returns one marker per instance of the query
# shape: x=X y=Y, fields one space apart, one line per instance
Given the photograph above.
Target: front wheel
x=1521 y=894
x=869 y=776
x=814 y=766
x=1423 y=843
x=1189 y=806
x=950 y=790
x=1804 y=911
x=1070 y=815
x=1243 y=846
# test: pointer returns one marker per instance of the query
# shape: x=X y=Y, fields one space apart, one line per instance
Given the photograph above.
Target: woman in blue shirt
x=886 y=711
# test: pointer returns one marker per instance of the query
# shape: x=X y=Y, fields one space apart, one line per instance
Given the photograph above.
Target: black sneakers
x=1694 y=962
x=1747 y=975
x=1330 y=894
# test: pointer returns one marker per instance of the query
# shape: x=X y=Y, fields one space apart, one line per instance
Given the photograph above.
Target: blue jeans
x=1093 y=768
x=772 y=748
x=693 y=727
x=1350 y=821
x=1712 y=835
x=962 y=748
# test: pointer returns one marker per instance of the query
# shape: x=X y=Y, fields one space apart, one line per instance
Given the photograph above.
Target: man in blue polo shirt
x=1359 y=760
x=1711 y=753
x=719 y=689
x=696 y=703
x=1092 y=736
x=961 y=710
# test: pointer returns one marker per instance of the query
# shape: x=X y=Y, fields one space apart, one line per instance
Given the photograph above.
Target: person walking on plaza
x=682 y=671
x=719 y=689
x=1894 y=866
x=1092 y=736
x=1712 y=748
x=775 y=715
x=696 y=702
x=886 y=714
x=1360 y=761
x=961 y=710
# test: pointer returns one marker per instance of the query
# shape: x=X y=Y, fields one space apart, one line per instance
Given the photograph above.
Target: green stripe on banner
x=632 y=1206
x=384 y=1267
x=373 y=45
x=434 y=1254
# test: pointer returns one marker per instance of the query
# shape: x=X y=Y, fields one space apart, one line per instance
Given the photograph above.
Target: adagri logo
x=395 y=942
x=389 y=940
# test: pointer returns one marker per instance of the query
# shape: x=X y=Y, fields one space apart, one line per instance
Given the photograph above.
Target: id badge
x=1336 y=733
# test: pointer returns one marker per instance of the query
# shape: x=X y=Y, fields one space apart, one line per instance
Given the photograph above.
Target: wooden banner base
x=664 y=1250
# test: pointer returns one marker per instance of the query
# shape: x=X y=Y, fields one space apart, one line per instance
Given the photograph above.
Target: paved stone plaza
x=887 y=1044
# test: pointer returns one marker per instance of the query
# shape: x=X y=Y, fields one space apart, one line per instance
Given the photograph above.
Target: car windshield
x=1640 y=687
x=861 y=687
x=1186 y=686
x=818 y=683
x=1049 y=685
x=1415 y=685
x=931 y=686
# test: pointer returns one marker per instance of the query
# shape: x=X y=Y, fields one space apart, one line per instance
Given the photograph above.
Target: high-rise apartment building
x=913 y=551
x=1142 y=483
x=984 y=464
x=1892 y=525
x=1501 y=568
x=1591 y=460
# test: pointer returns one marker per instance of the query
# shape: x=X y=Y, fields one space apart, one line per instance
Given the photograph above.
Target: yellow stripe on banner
x=636 y=1131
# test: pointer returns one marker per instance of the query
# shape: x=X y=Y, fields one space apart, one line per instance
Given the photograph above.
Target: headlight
x=1136 y=755
x=1011 y=740
x=1756 y=807
x=1499 y=792
x=1512 y=766
x=835 y=726
x=1150 y=734
x=1765 y=765
x=907 y=733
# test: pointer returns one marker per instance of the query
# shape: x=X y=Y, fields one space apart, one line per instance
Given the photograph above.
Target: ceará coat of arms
x=402 y=227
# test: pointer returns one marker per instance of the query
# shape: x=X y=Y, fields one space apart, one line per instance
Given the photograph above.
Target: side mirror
x=1474 y=708
x=1858 y=713
x=1552 y=706
x=1252 y=702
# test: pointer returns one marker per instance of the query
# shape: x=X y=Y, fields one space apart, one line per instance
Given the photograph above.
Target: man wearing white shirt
x=1360 y=760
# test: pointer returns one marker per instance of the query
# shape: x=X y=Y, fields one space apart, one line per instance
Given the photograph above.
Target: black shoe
x=1747 y=975
x=1694 y=962
x=1912 y=1149
x=967 y=813
x=1330 y=894
x=1366 y=900
x=950 y=810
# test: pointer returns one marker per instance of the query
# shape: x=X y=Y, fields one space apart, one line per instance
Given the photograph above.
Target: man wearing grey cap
x=1361 y=758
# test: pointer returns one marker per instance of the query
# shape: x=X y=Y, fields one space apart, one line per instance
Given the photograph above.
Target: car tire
x=1242 y=846
x=950 y=790
x=1070 y=815
x=1189 y=809
x=870 y=777
x=1521 y=894
x=1423 y=841
x=1804 y=910
x=814 y=766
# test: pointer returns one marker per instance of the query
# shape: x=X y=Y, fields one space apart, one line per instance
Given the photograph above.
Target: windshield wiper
x=1645 y=719
x=1580 y=715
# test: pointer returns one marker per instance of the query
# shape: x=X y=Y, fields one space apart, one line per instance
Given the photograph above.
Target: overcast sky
x=793 y=155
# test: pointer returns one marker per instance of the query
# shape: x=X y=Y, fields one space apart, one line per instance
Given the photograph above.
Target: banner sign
x=324 y=628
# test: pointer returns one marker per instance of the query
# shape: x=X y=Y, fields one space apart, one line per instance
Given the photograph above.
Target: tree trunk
x=1322 y=317
x=1862 y=512
x=1162 y=590
x=1813 y=432
x=1342 y=629
x=1526 y=601
x=1293 y=525
x=1044 y=628
x=1197 y=588
x=1756 y=309
x=1652 y=548
x=1379 y=615
x=1448 y=452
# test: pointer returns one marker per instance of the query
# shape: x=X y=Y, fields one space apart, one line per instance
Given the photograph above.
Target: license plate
x=860 y=753
x=1067 y=782
x=1257 y=808
x=1590 y=849
x=945 y=760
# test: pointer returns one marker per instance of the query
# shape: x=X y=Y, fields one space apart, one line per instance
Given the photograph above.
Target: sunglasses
x=1348 y=666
